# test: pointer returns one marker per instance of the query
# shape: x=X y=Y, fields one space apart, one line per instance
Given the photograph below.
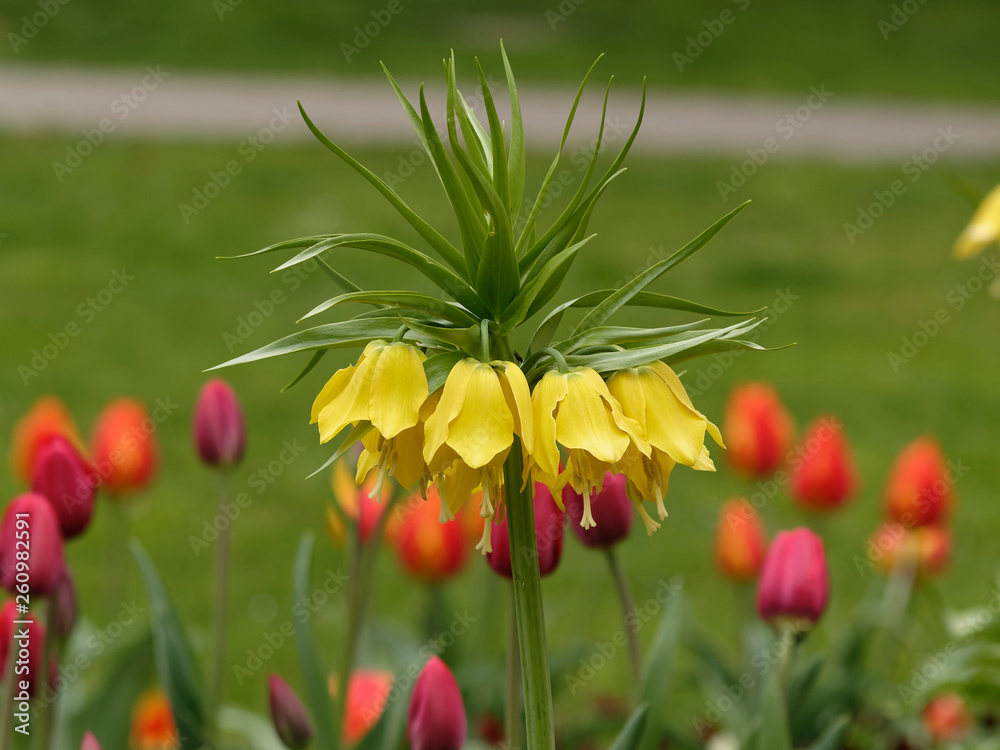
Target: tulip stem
x=7 y=709
x=220 y=616
x=628 y=608
x=512 y=719
x=528 y=605
x=46 y=709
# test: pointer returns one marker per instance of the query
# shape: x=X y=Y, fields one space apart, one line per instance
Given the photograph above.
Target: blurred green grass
x=853 y=303
x=940 y=50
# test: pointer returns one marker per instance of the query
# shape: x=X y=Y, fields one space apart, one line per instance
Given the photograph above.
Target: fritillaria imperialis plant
x=481 y=389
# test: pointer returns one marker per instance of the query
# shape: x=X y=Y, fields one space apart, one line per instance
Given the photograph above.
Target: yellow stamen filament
x=588 y=519
x=376 y=493
x=485 y=544
x=651 y=525
x=445 y=515
x=661 y=509
x=488 y=510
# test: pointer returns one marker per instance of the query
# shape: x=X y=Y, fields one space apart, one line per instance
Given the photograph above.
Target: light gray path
x=233 y=107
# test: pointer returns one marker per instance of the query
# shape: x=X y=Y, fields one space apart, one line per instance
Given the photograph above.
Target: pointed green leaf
x=621 y=336
x=356 y=433
x=285 y=245
x=437 y=367
x=402 y=298
x=515 y=160
x=466 y=339
x=313 y=361
x=541 y=288
x=497 y=282
x=661 y=301
x=497 y=141
x=631 y=734
x=658 y=666
x=833 y=737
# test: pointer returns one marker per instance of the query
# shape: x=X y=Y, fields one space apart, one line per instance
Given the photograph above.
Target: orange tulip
x=427 y=548
x=758 y=430
x=823 y=473
x=356 y=504
x=740 y=541
x=928 y=548
x=919 y=489
x=947 y=719
x=153 y=726
x=367 y=693
x=47 y=418
x=124 y=447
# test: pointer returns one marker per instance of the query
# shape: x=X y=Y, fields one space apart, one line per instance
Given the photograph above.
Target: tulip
x=367 y=693
x=758 y=430
x=918 y=491
x=436 y=719
x=153 y=726
x=611 y=509
x=925 y=548
x=357 y=503
x=27 y=650
x=983 y=229
x=794 y=583
x=64 y=477
x=47 y=418
x=31 y=524
x=947 y=719
x=291 y=721
x=548 y=536
x=219 y=431
x=428 y=548
x=823 y=472
x=740 y=541
x=65 y=607
x=123 y=446
x=90 y=742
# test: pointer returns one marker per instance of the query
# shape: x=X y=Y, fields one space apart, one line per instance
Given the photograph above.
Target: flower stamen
x=651 y=525
x=587 y=521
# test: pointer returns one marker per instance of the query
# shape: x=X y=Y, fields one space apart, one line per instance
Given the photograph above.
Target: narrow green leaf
x=313 y=673
x=516 y=158
x=833 y=737
x=497 y=140
x=285 y=245
x=621 y=336
x=355 y=434
x=337 y=277
x=631 y=734
x=541 y=288
x=313 y=361
x=447 y=251
x=466 y=339
x=661 y=301
x=658 y=666
x=497 y=282
x=402 y=298
x=437 y=367
x=175 y=664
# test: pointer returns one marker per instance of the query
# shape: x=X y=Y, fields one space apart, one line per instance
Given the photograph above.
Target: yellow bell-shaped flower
x=983 y=229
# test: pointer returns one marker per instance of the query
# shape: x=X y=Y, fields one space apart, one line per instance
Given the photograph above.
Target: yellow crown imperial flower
x=386 y=389
x=655 y=398
x=983 y=229
x=576 y=410
x=471 y=431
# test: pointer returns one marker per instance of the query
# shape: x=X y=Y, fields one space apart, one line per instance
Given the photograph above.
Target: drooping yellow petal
x=625 y=386
x=351 y=404
x=409 y=461
x=334 y=386
x=983 y=229
x=548 y=394
x=626 y=423
x=671 y=426
x=668 y=376
x=450 y=404
x=517 y=394
x=704 y=462
x=398 y=389
x=585 y=422
x=484 y=426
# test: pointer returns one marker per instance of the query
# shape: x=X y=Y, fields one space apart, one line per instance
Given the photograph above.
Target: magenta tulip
x=548 y=536
x=65 y=478
x=219 y=431
x=291 y=720
x=611 y=509
x=436 y=719
x=65 y=610
x=30 y=529
x=795 y=583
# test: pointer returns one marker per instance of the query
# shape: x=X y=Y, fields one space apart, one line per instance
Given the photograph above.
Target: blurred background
x=149 y=138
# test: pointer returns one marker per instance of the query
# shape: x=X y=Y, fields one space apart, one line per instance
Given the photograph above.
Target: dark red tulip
x=27 y=638
x=548 y=536
x=219 y=431
x=63 y=476
x=47 y=418
x=919 y=491
x=758 y=429
x=611 y=509
x=823 y=472
x=291 y=720
x=30 y=525
x=795 y=583
x=436 y=719
x=65 y=608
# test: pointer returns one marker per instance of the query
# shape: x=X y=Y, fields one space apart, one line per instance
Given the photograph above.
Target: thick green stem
x=528 y=606
x=512 y=696
x=220 y=617
x=628 y=607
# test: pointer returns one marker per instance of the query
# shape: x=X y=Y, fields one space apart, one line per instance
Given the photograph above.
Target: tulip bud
x=124 y=447
x=28 y=649
x=758 y=430
x=740 y=541
x=65 y=608
x=611 y=509
x=825 y=476
x=31 y=524
x=357 y=503
x=63 y=477
x=90 y=742
x=47 y=418
x=153 y=726
x=926 y=548
x=291 y=721
x=947 y=719
x=427 y=548
x=548 y=536
x=219 y=432
x=794 y=583
x=436 y=719
x=918 y=491
x=367 y=693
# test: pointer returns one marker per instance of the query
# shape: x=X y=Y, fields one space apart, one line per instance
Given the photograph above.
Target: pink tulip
x=219 y=430
x=30 y=529
x=291 y=721
x=794 y=583
x=436 y=719
x=68 y=482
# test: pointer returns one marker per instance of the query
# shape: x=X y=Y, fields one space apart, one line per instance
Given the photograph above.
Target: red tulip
x=68 y=482
x=65 y=607
x=219 y=431
x=436 y=719
x=27 y=635
x=548 y=536
x=367 y=693
x=823 y=472
x=947 y=718
x=611 y=509
x=46 y=419
x=740 y=541
x=919 y=491
x=356 y=503
x=124 y=447
x=758 y=429
x=927 y=548
x=31 y=526
x=794 y=583
x=290 y=718
x=427 y=548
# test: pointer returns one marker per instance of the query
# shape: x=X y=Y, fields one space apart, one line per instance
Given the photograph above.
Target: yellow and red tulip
x=46 y=419
x=740 y=541
x=918 y=490
x=123 y=447
x=759 y=431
